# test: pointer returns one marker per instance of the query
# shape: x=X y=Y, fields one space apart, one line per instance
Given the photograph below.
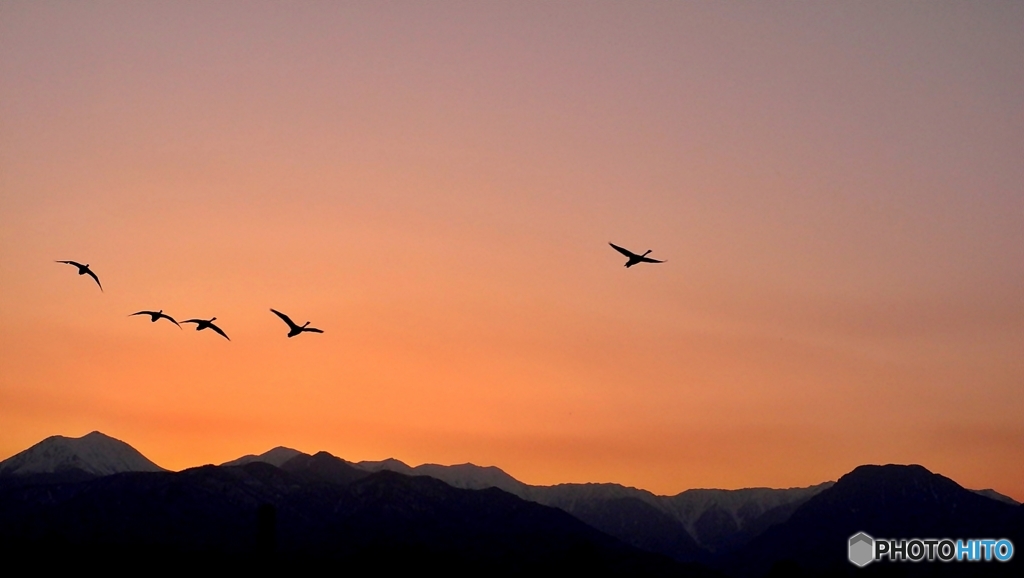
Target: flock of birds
x=154 y=316
x=293 y=328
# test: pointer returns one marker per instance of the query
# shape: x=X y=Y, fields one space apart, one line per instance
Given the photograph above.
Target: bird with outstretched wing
x=84 y=270
x=633 y=257
x=294 y=329
x=204 y=324
x=154 y=315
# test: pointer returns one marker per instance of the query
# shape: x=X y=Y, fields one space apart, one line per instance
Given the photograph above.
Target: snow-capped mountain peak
x=93 y=453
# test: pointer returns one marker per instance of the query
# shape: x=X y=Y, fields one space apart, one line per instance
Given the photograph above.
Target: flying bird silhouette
x=633 y=257
x=84 y=270
x=293 y=328
x=157 y=315
x=203 y=324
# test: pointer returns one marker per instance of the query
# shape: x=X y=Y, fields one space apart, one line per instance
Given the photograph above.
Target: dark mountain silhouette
x=628 y=514
x=274 y=457
x=466 y=476
x=990 y=493
x=86 y=497
x=1014 y=531
x=391 y=465
x=891 y=501
x=723 y=520
x=719 y=520
x=639 y=524
x=323 y=467
x=312 y=509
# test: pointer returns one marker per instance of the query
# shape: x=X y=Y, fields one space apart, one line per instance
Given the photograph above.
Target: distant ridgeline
x=87 y=499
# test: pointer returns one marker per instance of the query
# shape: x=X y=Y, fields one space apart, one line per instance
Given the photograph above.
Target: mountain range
x=96 y=495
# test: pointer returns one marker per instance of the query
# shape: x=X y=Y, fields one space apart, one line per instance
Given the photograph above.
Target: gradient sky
x=837 y=188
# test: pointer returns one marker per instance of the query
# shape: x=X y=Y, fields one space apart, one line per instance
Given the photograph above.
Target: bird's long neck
x=645 y=254
x=305 y=324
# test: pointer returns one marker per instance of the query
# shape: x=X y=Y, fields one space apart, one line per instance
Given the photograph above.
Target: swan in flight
x=633 y=257
x=157 y=315
x=84 y=270
x=293 y=328
x=203 y=324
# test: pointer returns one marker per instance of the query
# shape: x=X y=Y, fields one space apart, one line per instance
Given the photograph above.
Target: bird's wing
x=141 y=313
x=169 y=318
x=93 y=275
x=285 y=318
x=625 y=252
x=196 y=321
x=649 y=260
x=70 y=263
x=313 y=329
x=217 y=329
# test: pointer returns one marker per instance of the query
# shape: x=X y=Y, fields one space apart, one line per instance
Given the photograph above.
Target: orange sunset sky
x=837 y=189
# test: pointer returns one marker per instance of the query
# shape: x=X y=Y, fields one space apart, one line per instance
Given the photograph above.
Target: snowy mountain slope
x=93 y=453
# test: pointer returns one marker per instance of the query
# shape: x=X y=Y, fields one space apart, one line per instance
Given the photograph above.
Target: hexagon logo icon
x=861 y=549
